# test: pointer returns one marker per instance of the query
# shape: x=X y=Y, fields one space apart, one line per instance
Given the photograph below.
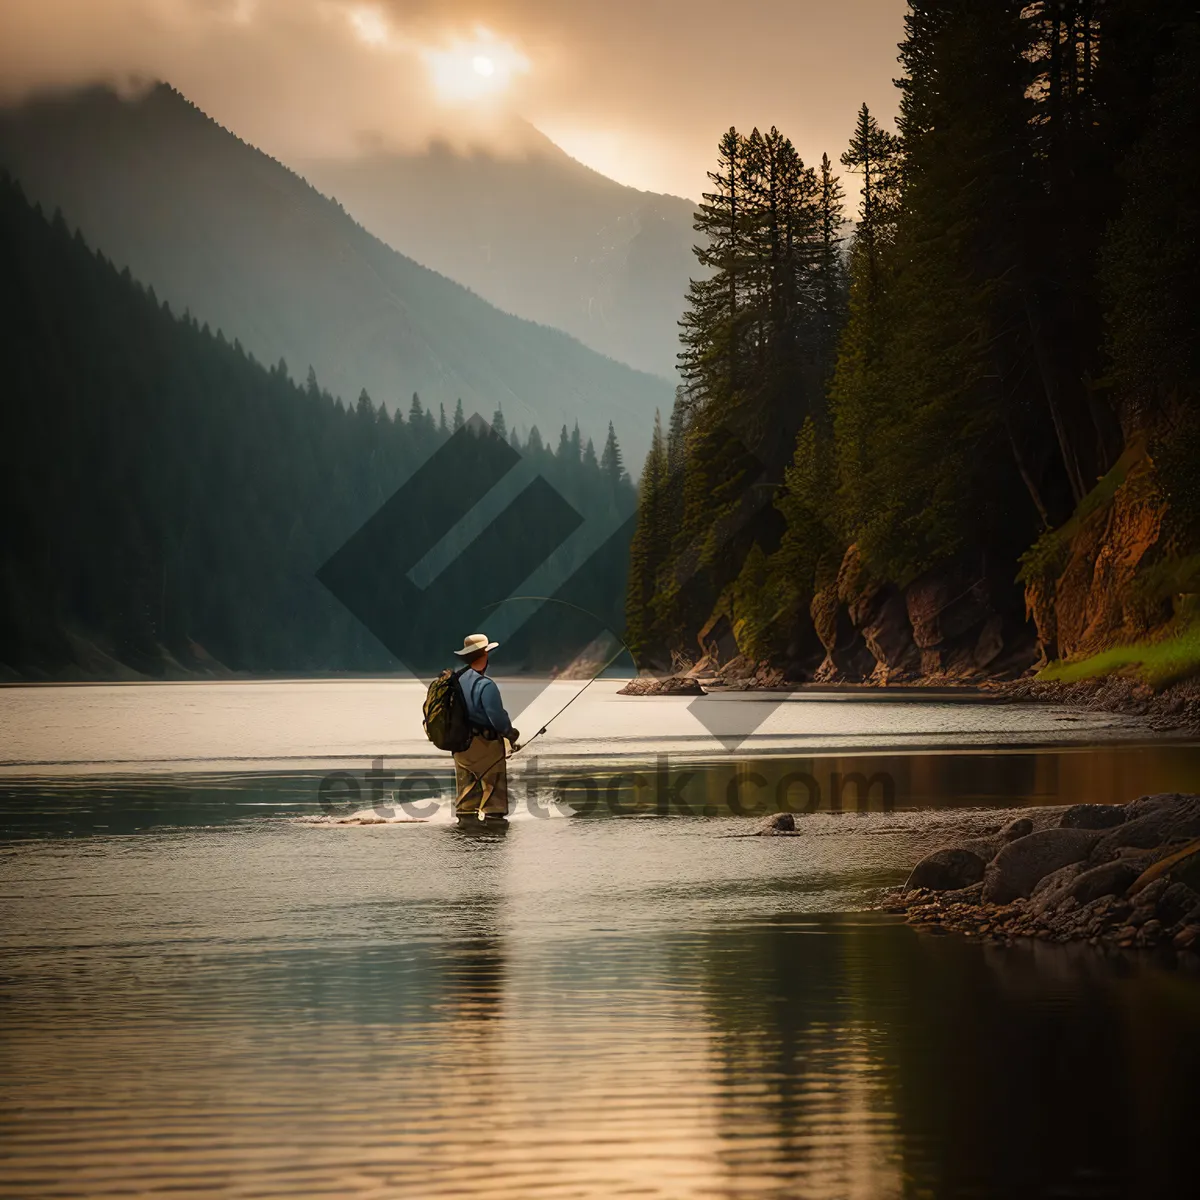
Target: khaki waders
x=482 y=778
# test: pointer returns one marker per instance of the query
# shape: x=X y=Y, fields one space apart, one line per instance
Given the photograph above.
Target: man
x=480 y=768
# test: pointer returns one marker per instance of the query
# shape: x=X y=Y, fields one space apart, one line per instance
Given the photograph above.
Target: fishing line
x=599 y=621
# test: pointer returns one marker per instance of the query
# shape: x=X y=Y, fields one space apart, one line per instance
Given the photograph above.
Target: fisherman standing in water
x=480 y=769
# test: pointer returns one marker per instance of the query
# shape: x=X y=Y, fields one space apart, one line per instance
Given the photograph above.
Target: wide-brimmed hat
x=475 y=644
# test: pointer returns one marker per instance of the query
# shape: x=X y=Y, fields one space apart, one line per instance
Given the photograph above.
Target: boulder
x=1093 y=816
x=985 y=847
x=1153 y=803
x=1047 y=817
x=1018 y=827
x=947 y=870
x=1183 y=866
x=784 y=822
x=1084 y=884
x=1022 y=864
x=1053 y=889
x=1152 y=822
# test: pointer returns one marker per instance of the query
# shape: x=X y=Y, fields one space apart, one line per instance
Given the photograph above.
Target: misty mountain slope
x=537 y=234
x=222 y=230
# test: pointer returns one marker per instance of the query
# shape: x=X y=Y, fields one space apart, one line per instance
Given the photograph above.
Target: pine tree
x=563 y=453
x=874 y=153
x=832 y=280
x=442 y=420
x=459 y=419
x=611 y=464
x=648 y=552
x=711 y=336
x=499 y=427
x=416 y=413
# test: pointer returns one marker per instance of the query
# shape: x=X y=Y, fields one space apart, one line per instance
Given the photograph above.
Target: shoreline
x=1175 y=708
x=1125 y=876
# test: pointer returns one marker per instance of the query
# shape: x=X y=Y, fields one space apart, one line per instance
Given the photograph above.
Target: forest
x=171 y=500
x=953 y=431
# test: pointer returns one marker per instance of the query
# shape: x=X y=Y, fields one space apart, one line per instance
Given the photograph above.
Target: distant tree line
x=1017 y=304
x=168 y=500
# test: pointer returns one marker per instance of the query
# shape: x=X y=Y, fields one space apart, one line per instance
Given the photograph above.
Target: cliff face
x=1103 y=579
x=960 y=623
x=1109 y=577
x=952 y=624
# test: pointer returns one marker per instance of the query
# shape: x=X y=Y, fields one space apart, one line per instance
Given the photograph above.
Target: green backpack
x=445 y=713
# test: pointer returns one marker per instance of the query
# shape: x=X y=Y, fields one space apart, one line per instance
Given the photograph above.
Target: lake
x=209 y=988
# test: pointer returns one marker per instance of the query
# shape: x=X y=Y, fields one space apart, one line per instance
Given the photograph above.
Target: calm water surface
x=202 y=993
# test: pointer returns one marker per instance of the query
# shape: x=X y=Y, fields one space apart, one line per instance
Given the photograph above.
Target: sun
x=473 y=69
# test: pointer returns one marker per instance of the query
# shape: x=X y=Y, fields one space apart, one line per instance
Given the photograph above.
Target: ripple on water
x=201 y=1001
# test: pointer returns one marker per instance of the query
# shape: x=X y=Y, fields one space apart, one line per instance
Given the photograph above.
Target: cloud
x=644 y=88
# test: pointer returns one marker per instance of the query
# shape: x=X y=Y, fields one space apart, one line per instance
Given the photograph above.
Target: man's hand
x=514 y=737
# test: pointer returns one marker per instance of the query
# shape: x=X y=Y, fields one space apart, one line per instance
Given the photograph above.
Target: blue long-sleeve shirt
x=484 y=707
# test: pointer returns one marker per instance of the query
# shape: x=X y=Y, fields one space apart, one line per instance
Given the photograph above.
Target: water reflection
x=201 y=996
x=826 y=1057
x=665 y=786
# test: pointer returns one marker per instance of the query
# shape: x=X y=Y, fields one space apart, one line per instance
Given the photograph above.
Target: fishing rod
x=599 y=621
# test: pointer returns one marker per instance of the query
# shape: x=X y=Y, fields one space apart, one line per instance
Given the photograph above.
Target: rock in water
x=1022 y=864
x=784 y=822
x=671 y=685
x=947 y=871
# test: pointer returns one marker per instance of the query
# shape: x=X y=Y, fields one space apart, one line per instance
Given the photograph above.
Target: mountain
x=537 y=234
x=172 y=501
x=241 y=242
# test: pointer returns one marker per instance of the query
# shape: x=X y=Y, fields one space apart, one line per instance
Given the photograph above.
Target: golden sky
x=639 y=89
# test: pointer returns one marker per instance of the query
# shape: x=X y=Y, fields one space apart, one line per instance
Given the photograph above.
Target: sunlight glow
x=467 y=70
x=370 y=25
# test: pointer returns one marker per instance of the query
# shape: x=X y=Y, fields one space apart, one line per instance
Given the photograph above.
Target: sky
x=638 y=89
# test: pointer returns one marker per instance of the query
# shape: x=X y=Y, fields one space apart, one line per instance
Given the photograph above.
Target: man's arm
x=489 y=698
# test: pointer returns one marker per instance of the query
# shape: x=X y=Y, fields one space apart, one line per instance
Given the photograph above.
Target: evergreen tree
x=832 y=280
x=611 y=463
x=442 y=419
x=178 y=497
x=499 y=427
x=648 y=552
x=874 y=153
x=712 y=323
x=459 y=419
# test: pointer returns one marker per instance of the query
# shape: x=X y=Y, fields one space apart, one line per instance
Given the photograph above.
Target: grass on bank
x=1157 y=663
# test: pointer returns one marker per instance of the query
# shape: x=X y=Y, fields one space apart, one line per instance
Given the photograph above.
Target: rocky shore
x=1173 y=708
x=1125 y=875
